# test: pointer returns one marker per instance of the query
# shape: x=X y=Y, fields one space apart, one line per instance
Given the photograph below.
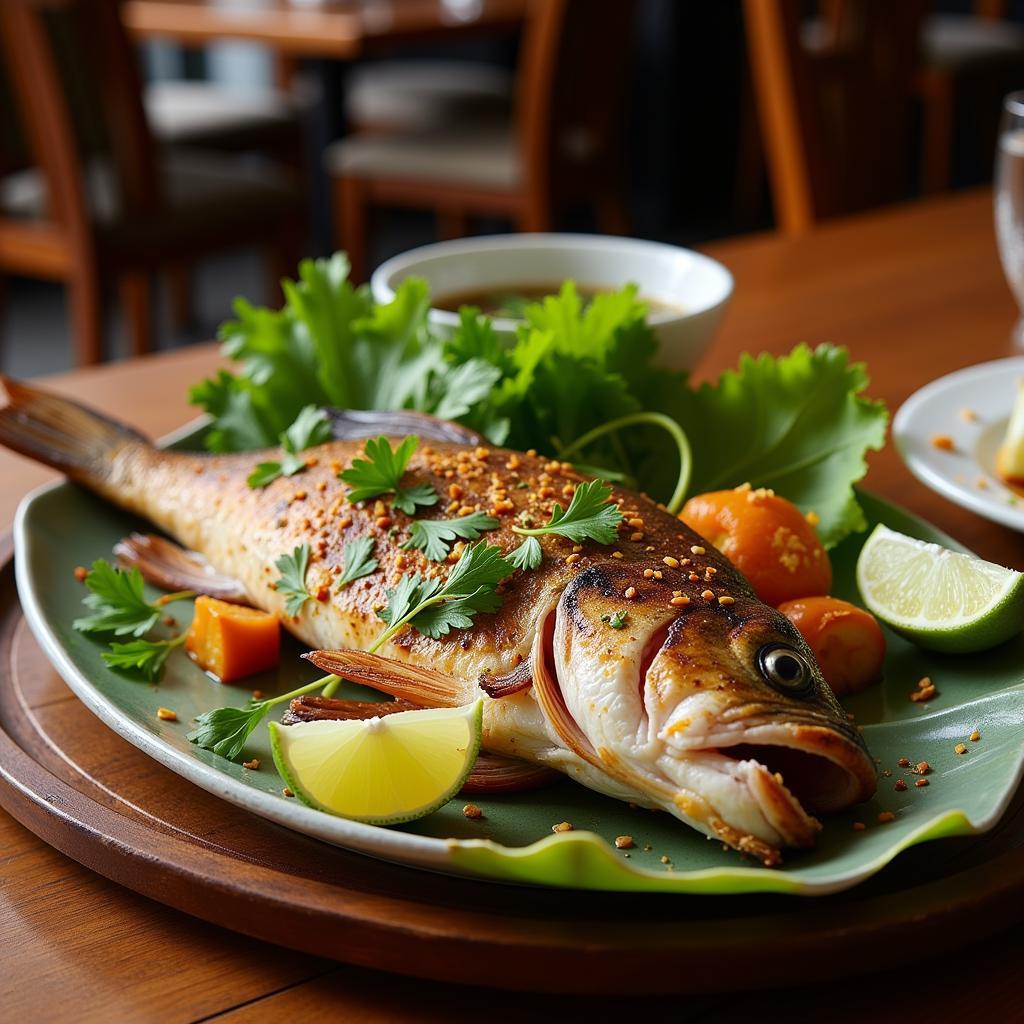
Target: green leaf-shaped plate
x=62 y=526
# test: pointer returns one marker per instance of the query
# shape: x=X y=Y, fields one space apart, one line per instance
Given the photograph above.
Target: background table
x=916 y=292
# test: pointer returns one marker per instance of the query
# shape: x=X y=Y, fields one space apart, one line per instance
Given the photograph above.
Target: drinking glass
x=1009 y=201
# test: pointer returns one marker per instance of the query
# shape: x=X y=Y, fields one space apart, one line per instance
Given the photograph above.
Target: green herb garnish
x=120 y=608
x=588 y=517
x=617 y=620
x=381 y=473
x=434 y=536
x=145 y=656
x=292 y=583
x=528 y=555
x=434 y=608
x=310 y=428
x=358 y=561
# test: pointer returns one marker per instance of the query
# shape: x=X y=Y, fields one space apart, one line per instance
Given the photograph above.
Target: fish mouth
x=824 y=769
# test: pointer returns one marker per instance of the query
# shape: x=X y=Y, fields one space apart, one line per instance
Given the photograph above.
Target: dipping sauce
x=512 y=301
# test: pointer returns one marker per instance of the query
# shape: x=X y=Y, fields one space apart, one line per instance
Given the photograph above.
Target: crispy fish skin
x=674 y=710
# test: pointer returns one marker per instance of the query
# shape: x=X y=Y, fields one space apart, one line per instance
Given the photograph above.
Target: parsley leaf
x=292 y=583
x=528 y=555
x=358 y=561
x=144 y=656
x=118 y=602
x=435 y=608
x=310 y=428
x=225 y=730
x=433 y=536
x=588 y=517
x=381 y=473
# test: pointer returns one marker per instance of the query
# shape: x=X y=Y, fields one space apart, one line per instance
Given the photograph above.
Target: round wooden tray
x=97 y=799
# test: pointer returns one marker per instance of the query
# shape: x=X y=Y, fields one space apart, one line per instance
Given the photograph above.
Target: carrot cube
x=231 y=641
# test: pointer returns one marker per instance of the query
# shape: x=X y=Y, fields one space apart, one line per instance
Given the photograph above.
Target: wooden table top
x=338 y=29
x=916 y=292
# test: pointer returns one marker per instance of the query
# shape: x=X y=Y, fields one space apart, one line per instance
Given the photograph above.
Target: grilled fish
x=704 y=703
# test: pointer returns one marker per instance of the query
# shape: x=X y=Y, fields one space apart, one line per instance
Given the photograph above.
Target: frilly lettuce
x=798 y=423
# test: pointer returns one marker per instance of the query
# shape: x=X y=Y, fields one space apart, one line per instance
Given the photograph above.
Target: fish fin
x=520 y=678
x=494 y=774
x=421 y=686
x=351 y=424
x=61 y=433
x=169 y=566
x=313 y=708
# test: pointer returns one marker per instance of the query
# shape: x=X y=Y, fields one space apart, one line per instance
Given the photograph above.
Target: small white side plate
x=967 y=474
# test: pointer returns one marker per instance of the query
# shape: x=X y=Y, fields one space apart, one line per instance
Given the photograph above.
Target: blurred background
x=160 y=157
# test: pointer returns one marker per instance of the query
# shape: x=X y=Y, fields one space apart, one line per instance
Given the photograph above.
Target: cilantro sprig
x=119 y=608
x=588 y=517
x=381 y=473
x=292 y=582
x=310 y=428
x=358 y=561
x=434 y=608
x=434 y=536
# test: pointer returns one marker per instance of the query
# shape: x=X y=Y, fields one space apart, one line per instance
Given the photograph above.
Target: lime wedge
x=940 y=599
x=382 y=770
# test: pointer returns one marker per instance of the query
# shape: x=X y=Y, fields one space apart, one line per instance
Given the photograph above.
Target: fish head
x=716 y=710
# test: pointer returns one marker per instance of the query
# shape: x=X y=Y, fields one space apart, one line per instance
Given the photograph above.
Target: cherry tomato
x=846 y=640
x=766 y=537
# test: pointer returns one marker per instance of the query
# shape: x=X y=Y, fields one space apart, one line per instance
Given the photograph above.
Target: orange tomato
x=846 y=640
x=231 y=641
x=766 y=537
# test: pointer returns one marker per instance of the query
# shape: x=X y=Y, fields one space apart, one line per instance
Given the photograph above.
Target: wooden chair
x=102 y=205
x=978 y=50
x=561 y=142
x=834 y=116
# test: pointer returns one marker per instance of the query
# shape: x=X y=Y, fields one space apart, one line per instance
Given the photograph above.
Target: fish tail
x=62 y=434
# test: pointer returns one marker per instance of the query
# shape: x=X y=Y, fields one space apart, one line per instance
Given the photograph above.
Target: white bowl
x=696 y=286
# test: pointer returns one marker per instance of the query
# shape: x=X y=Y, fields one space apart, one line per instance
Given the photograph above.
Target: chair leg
x=350 y=223
x=136 y=292
x=612 y=217
x=283 y=257
x=85 y=301
x=452 y=222
x=179 y=293
x=937 y=134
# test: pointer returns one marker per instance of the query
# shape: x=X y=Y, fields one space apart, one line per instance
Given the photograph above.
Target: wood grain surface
x=336 y=29
x=916 y=292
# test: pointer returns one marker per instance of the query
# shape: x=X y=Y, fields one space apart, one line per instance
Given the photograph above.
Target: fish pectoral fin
x=519 y=679
x=169 y=566
x=420 y=686
x=314 y=708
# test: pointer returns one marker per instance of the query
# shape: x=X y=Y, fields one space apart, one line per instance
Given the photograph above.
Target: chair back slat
x=834 y=108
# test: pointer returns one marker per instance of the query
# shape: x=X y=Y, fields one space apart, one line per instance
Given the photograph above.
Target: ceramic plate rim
x=982 y=503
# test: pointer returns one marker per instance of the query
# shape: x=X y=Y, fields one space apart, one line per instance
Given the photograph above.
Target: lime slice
x=382 y=770
x=940 y=599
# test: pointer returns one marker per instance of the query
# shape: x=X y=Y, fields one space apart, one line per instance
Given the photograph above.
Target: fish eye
x=785 y=668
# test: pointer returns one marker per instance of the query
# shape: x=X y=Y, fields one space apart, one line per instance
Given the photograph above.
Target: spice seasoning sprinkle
x=943 y=442
x=252 y=765
x=726 y=599
x=166 y=715
x=885 y=817
x=904 y=762
x=679 y=600
x=697 y=550
x=960 y=748
x=901 y=786
x=708 y=595
x=287 y=792
x=665 y=859
x=859 y=826
x=80 y=573
x=624 y=842
x=921 y=782
x=472 y=811
x=975 y=736
x=922 y=768
x=562 y=826
x=968 y=415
